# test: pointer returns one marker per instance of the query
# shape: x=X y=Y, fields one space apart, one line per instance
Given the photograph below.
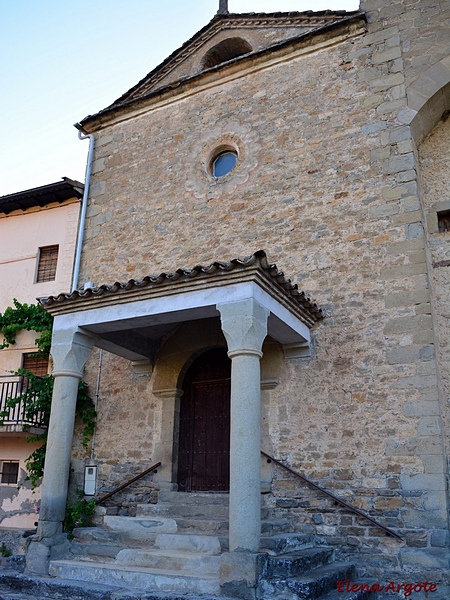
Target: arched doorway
x=204 y=445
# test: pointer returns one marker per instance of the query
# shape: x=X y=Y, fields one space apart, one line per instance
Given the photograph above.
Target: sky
x=63 y=60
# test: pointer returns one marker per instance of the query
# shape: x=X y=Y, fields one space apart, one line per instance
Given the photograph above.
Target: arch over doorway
x=204 y=430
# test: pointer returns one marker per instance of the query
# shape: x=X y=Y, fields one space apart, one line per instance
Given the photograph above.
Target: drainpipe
x=76 y=267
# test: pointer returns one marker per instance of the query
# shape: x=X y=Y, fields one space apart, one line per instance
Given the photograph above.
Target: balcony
x=18 y=417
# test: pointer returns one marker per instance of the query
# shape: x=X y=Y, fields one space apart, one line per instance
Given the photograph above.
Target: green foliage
x=86 y=412
x=4 y=551
x=31 y=317
x=37 y=394
x=37 y=399
x=79 y=513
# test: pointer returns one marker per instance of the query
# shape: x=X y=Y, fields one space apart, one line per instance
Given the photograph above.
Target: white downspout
x=76 y=267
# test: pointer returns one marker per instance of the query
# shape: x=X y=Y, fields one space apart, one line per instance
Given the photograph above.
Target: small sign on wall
x=90 y=479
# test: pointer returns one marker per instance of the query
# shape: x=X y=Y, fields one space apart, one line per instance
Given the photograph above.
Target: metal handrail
x=126 y=484
x=333 y=497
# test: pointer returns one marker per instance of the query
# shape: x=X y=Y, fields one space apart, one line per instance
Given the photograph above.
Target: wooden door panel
x=204 y=448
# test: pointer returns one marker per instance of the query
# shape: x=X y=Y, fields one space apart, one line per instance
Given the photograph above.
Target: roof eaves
x=42 y=195
x=184 y=279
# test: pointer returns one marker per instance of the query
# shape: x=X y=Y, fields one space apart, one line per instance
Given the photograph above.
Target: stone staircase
x=175 y=547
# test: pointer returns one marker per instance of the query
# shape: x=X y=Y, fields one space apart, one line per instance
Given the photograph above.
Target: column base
x=239 y=574
x=48 y=544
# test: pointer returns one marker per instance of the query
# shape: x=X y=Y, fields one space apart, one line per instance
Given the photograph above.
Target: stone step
x=94 y=551
x=142 y=578
x=310 y=586
x=213 y=511
x=188 y=542
x=199 y=525
x=286 y=543
x=171 y=560
x=14 y=586
x=291 y=565
x=142 y=528
x=174 y=511
x=96 y=535
x=196 y=498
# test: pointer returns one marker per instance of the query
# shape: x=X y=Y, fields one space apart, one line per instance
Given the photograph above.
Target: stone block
x=378 y=212
x=420 y=409
x=410 y=323
x=406 y=116
x=400 y=134
x=238 y=574
x=382 y=35
x=414 y=382
x=426 y=519
x=37 y=558
x=430 y=558
x=411 y=203
x=433 y=463
x=440 y=538
x=384 y=83
x=414 y=230
x=97 y=166
x=390 y=107
x=402 y=355
x=423 y=482
x=405 y=176
x=429 y=445
x=435 y=501
x=394 y=192
x=401 y=162
x=386 y=55
x=429 y=426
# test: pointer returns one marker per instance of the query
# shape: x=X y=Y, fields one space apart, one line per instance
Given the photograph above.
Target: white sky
x=61 y=60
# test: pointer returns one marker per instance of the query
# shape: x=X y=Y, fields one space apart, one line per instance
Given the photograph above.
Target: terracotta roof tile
x=257 y=261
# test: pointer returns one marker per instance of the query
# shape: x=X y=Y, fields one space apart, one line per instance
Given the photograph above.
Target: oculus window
x=223 y=163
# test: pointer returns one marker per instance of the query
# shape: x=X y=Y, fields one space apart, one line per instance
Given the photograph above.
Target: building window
x=47 y=260
x=35 y=364
x=222 y=160
x=444 y=221
x=9 y=471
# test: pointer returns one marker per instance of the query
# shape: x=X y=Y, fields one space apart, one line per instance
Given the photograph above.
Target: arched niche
x=428 y=100
x=224 y=51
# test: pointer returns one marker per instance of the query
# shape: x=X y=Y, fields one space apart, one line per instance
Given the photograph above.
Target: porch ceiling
x=130 y=319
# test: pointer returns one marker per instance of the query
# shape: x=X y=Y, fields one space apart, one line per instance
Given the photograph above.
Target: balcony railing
x=16 y=388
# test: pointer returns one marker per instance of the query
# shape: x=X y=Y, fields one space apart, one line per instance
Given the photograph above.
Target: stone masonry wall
x=327 y=185
x=435 y=183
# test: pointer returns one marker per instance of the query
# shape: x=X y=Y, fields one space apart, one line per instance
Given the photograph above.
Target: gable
x=229 y=38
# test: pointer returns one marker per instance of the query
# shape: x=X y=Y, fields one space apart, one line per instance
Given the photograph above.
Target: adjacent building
x=38 y=232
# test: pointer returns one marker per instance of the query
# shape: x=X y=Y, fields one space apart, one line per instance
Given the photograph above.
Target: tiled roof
x=42 y=196
x=257 y=262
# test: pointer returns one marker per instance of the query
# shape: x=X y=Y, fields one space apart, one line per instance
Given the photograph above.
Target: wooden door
x=204 y=445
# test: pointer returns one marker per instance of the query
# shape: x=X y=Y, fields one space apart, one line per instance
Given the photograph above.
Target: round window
x=224 y=163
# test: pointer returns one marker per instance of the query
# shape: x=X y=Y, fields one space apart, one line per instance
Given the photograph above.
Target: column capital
x=244 y=325
x=70 y=351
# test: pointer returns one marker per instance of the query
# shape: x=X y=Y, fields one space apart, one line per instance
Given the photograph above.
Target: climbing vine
x=37 y=394
x=31 y=317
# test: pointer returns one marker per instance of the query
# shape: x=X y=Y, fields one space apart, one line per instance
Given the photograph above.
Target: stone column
x=244 y=325
x=70 y=350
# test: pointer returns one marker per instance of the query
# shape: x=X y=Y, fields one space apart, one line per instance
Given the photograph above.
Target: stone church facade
x=324 y=274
